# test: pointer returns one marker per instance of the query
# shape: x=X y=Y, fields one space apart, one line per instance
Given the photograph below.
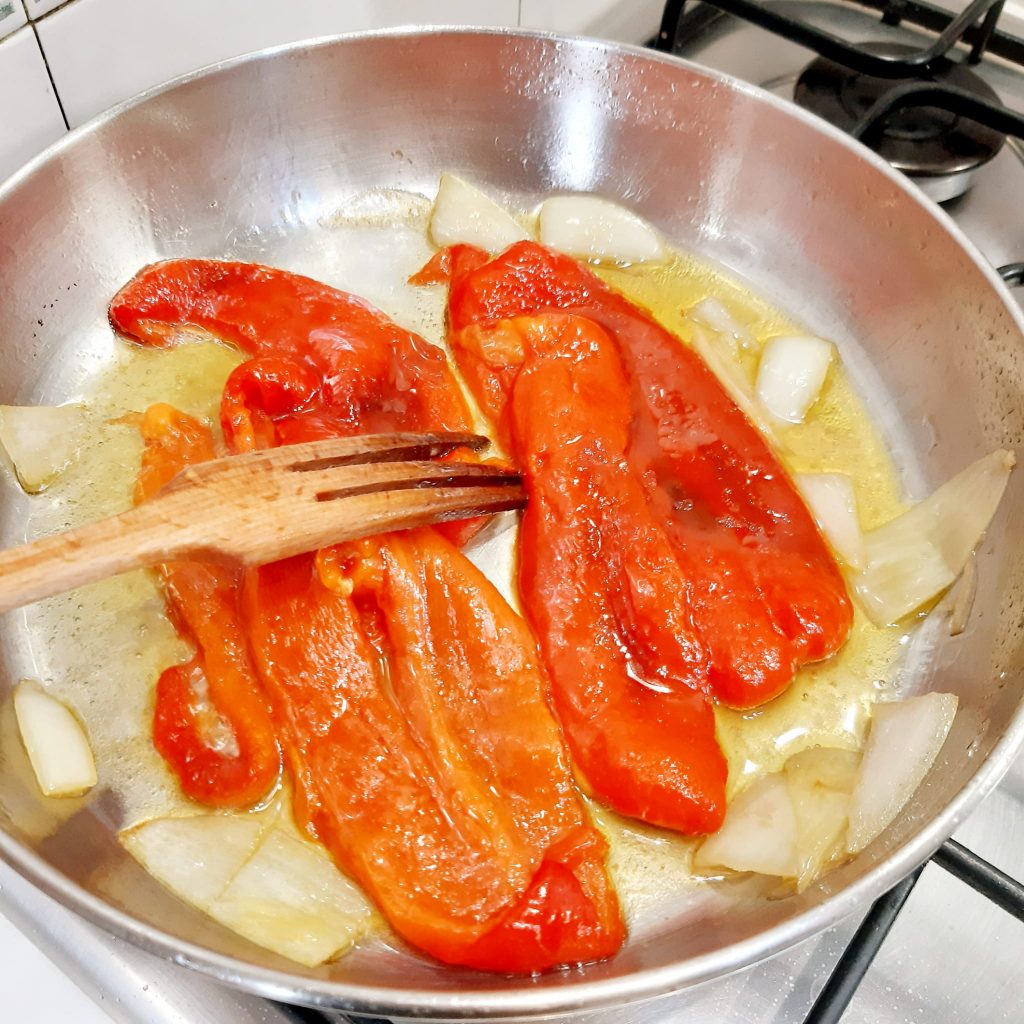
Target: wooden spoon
x=262 y=506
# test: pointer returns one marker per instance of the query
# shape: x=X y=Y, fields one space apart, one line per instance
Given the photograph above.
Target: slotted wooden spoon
x=259 y=507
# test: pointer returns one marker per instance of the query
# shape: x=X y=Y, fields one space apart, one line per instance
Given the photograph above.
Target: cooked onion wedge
x=714 y=350
x=713 y=314
x=828 y=803
x=833 y=503
x=592 y=228
x=820 y=783
x=290 y=898
x=905 y=739
x=257 y=878
x=195 y=857
x=791 y=375
x=40 y=441
x=914 y=557
x=758 y=834
x=963 y=595
x=55 y=740
x=462 y=214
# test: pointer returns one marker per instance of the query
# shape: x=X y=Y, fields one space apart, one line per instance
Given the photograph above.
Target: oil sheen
x=102 y=648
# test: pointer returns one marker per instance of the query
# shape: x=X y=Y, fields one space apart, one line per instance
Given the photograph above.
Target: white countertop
x=32 y=989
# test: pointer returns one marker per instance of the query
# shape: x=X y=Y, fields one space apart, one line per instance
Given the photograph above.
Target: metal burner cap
x=938 y=149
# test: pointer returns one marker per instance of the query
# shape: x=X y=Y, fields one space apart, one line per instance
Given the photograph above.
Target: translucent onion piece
x=963 y=597
x=58 y=748
x=589 y=227
x=40 y=441
x=714 y=350
x=290 y=898
x=256 y=878
x=197 y=857
x=714 y=315
x=956 y=516
x=915 y=556
x=821 y=781
x=462 y=214
x=899 y=579
x=833 y=503
x=791 y=374
x=758 y=834
x=905 y=739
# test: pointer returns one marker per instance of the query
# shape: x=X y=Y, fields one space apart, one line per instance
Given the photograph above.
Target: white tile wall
x=12 y=16
x=103 y=51
x=37 y=8
x=30 y=118
x=630 y=21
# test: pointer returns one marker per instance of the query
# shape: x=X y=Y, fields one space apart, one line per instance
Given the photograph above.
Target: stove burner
x=936 y=148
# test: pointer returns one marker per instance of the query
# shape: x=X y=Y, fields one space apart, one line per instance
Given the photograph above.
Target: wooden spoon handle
x=139 y=537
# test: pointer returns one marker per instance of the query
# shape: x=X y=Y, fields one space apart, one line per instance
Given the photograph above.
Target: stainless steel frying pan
x=245 y=159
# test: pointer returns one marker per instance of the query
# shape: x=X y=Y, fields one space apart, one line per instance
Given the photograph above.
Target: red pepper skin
x=202 y=602
x=369 y=369
x=409 y=699
x=768 y=595
x=430 y=765
x=600 y=581
x=325 y=363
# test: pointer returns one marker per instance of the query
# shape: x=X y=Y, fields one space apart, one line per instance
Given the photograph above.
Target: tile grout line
x=49 y=74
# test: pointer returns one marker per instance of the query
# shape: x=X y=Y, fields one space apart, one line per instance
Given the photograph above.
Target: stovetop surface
x=951 y=956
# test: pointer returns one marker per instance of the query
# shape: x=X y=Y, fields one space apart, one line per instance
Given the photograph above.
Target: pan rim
x=515 y=1000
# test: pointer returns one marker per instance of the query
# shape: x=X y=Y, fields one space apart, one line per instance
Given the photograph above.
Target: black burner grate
x=975 y=26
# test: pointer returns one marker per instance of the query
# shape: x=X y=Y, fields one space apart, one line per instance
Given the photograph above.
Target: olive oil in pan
x=101 y=648
x=828 y=704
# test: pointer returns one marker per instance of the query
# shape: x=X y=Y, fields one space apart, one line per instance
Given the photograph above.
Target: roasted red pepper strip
x=767 y=595
x=407 y=695
x=413 y=709
x=327 y=363
x=216 y=766
x=600 y=580
x=369 y=371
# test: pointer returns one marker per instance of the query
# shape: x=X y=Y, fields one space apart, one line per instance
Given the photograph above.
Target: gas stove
x=947 y=943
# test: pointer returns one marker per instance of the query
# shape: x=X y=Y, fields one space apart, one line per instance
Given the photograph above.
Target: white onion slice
x=257 y=878
x=758 y=834
x=963 y=594
x=290 y=898
x=905 y=739
x=730 y=375
x=791 y=374
x=833 y=503
x=462 y=214
x=958 y=513
x=57 y=745
x=900 y=577
x=195 y=857
x=589 y=227
x=713 y=314
x=820 y=783
x=40 y=441
x=915 y=556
